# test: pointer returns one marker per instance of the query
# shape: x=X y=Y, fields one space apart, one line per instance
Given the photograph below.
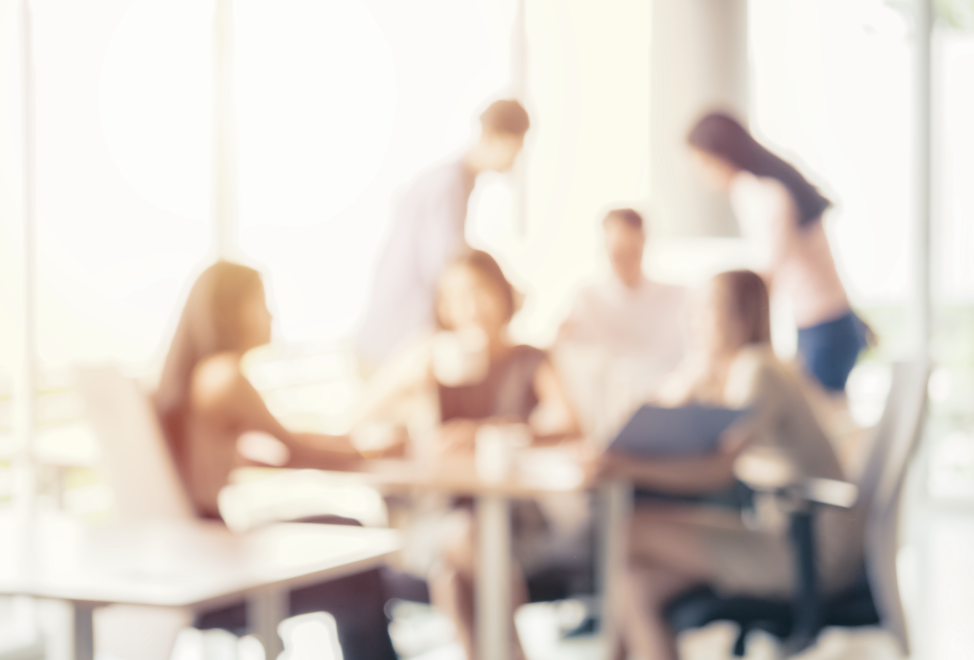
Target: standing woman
x=777 y=207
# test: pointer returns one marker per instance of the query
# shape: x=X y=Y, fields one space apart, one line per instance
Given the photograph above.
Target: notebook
x=673 y=432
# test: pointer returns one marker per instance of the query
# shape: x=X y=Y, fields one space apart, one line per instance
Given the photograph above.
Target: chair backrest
x=881 y=485
x=135 y=458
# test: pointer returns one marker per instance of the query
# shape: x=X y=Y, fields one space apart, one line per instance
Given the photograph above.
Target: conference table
x=537 y=472
x=182 y=564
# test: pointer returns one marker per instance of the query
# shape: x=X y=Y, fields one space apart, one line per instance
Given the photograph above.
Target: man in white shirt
x=627 y=328
x=428 y=231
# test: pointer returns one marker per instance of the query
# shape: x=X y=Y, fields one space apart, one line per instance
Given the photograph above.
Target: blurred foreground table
x=536 y=472
x=185 y=564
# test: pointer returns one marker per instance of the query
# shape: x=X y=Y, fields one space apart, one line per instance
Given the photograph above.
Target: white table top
x=181 y=563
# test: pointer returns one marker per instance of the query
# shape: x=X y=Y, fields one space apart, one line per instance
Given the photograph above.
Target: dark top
x=507 y=391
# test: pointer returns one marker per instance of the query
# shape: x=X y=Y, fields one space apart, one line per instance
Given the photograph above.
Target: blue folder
x=655 y=432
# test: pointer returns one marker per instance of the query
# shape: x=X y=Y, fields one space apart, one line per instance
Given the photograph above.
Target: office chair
x=874 y=598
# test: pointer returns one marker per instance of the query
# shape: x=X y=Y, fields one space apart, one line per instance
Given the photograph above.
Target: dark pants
x=356 y=601
x=830 y=350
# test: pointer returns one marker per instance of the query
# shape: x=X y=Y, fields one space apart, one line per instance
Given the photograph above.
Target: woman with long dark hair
x=205 y=403
x=777 y=207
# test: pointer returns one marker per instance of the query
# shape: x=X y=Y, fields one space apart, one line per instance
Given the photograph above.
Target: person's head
x=474 y=293
x=732 y=312
x=502 y=128
x=722 y=148
x=625 y=237
x=226 y=312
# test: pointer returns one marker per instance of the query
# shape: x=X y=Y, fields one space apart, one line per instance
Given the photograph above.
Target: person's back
x=428 y=230
x=427 y=226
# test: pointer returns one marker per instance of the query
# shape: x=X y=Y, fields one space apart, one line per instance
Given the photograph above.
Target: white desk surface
x=180 y=563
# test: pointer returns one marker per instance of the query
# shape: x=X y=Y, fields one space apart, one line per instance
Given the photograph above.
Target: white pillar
x=923 y=160
x=698 y=63
x=26 y=377
x=519 y=86
x=224 y=156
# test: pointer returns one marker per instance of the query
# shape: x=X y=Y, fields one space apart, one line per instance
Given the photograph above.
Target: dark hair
x=746 y=297
x=484 y=265
x=210 y=323
x=629 y=216
x=721 y=135
x=505 y=116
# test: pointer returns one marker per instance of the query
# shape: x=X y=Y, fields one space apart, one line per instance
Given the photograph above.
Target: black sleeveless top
x=507 y=391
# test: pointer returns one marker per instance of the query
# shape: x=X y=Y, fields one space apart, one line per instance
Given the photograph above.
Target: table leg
x=493 y=602
x=616 y=499
x=82 y=631
x=266 y=608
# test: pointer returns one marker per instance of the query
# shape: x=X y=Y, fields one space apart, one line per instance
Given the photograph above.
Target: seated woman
x=495 y=383
x=673 y=547
x=205 y=403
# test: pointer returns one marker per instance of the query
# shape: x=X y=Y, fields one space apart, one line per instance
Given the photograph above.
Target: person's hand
x=600 y=465
x=457 y=437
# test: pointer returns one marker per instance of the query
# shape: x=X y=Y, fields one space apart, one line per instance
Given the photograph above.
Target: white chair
x=134 y=457
x=139 y=469
x=874 y=600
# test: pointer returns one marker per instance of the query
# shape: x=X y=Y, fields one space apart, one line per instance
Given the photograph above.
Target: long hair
x=745 y=296
x=721 y=135
x=210 y=323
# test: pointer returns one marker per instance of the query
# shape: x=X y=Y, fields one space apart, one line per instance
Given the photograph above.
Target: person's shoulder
x=445 y=174
x=216 y=380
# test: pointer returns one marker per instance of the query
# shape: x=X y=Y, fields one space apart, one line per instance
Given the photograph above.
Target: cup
x=494 y=450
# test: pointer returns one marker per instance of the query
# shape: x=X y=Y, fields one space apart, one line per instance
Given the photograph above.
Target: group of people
x=436 y=329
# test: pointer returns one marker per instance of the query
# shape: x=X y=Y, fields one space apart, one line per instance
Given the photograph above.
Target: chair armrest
x=830 y=492
x=769 y=471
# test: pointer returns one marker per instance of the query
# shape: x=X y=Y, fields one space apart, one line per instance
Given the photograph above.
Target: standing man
x=428 y=231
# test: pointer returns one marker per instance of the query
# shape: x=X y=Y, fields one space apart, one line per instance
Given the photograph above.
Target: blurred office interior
x=140 y=140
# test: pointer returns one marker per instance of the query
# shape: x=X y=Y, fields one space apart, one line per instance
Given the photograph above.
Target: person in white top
x=427 y=232
x=780 y=210
x=635 y=325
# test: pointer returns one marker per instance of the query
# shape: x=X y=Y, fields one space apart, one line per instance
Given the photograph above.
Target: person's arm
x=677 y=476
x=223 y=394
x=573 y=327
x=404 y=373
x=554 y=416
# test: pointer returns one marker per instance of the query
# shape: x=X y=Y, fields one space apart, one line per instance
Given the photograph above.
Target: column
x=698 y=63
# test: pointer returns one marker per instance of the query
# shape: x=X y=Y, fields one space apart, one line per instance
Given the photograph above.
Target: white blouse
x=796 y=261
